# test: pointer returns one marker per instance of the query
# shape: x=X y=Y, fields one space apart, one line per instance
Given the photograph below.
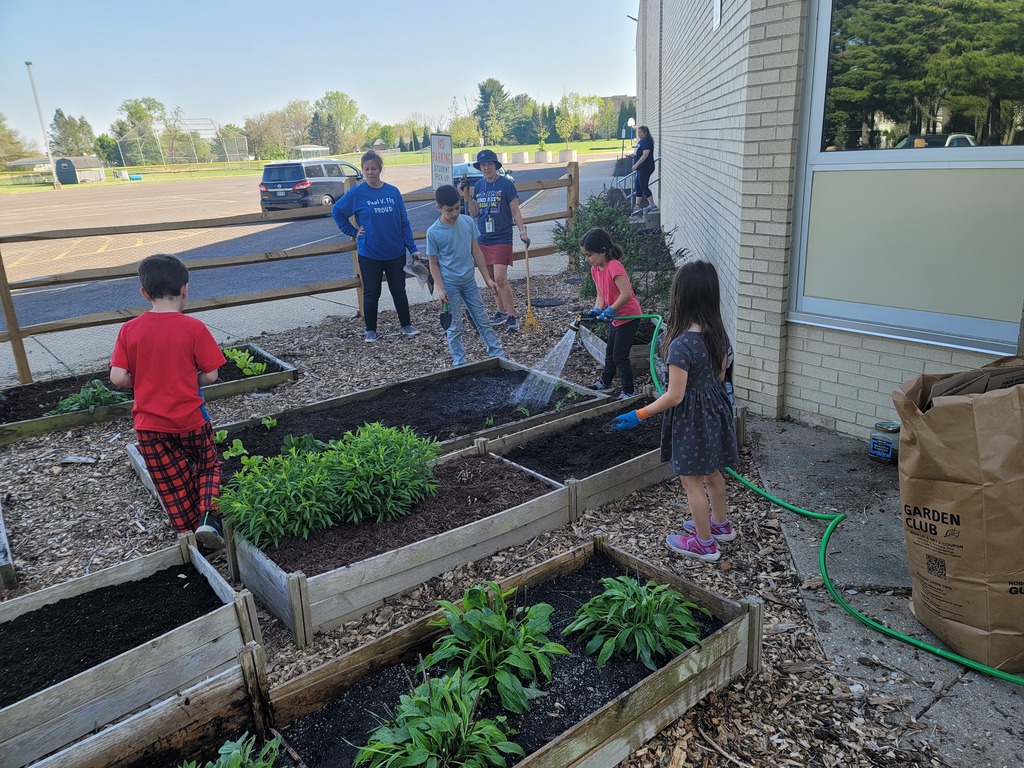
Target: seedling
x=220 y=436
x=269 y=422
x=523 y=410
x=89 y=398
x=489 y=421
x=245 y=361
x=239 y=754
x=499 y=643
x=646 y=621
x=236 y=449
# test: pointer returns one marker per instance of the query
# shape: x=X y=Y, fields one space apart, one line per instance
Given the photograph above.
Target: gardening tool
x=416 y=268
x=530 y=324
x=446 y=316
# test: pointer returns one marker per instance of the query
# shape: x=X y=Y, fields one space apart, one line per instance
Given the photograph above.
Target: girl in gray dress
x=699 y=425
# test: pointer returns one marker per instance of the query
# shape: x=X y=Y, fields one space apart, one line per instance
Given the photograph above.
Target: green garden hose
x=834 y=521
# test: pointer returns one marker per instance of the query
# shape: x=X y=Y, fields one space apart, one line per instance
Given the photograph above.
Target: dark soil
x=586 y=448
x=59 y=640
x=30 y=401
x=441 y=409
x=469 y=488
x=577 y=689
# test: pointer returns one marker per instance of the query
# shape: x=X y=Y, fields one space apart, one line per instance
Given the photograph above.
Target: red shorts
x=497 y=254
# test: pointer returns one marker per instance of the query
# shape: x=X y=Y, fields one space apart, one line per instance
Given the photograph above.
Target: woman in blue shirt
x=382 y=239
x=643 y=164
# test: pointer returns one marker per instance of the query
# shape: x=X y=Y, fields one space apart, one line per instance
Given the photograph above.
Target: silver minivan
x=304 y=183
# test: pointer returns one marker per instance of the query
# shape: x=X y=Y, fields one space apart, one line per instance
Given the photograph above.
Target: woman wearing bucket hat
x=495 y=206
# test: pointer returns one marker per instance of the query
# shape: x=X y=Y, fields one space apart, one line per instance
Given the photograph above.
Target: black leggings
x=643 y=183
x=616 y=356
x=373 y=272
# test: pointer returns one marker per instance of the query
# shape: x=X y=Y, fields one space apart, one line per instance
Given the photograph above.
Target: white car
x=919 y=140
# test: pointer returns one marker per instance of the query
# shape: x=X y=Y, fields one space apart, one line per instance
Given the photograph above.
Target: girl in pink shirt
x=614 y=299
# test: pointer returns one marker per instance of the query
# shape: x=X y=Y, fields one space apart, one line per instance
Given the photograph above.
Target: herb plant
x=239 y=754
x=89 y=398
x=506 y=647
x=269 y=422
x=245 y=361
x=648 y=621
x=436 y=725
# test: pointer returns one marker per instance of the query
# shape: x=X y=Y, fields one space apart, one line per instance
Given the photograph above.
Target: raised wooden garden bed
x=639 y=354
x=278 y=372
x=589 y=490
x=606 y=736
x=322 y=602
x=131 y=682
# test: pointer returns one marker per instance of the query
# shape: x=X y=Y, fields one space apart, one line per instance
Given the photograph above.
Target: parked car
x=937 y=140
x=303 y=183
x=465 y=173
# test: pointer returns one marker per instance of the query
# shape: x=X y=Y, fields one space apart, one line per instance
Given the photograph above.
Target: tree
x=12 y=145
x=331 y=136
x=316 y=130
x=464 y=131
x=493 y=110
x=574 y=113
x=348 y=120
x=144 y=110
x=387 y=136
x=265 y=132
x=107 y=150
x=297 y=116
x=69 y=136
x=401 y=144
x=607 y=117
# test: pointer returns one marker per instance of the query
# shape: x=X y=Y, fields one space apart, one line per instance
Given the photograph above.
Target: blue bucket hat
x=487 y=156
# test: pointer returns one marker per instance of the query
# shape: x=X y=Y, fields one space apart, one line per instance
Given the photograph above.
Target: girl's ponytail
x=597 y=240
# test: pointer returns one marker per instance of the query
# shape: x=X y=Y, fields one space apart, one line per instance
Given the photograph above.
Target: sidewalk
x=54 y=355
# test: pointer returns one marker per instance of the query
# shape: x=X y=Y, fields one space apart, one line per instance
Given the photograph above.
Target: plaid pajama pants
x=186 y=472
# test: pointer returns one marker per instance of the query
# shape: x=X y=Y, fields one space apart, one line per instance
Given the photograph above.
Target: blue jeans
x=469 y=294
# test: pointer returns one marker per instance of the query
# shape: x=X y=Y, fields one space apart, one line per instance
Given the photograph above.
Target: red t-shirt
x=164 y=352
x=604 y=279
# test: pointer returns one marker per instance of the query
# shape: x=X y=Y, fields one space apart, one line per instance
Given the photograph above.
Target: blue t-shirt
x=493 y=199
x=381 y=213
x=452 y=245
x=645 y=143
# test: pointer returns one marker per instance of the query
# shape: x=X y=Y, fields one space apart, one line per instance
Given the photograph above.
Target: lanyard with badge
x=489 y=221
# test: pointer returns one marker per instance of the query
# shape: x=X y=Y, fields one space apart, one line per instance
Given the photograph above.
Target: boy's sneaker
x=721 y=531
x=499 y=318
x=652 y=208
x=209 y=534
x=600 y=386
x=626 y=396
x=370 y=336
x=511 y=324
x=408 y=330
x=690 y=546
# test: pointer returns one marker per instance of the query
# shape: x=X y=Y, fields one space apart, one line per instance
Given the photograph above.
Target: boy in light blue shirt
x=453 y=253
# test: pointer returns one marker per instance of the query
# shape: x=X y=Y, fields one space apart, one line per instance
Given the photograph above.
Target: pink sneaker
x=690 y=546
x=721 y=531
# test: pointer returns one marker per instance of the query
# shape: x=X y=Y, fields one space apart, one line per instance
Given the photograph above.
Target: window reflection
x=919 y=74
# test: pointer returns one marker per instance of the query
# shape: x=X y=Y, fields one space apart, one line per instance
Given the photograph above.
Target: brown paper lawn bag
x=961 y=466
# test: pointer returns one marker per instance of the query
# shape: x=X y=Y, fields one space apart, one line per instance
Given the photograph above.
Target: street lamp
x=42 y=126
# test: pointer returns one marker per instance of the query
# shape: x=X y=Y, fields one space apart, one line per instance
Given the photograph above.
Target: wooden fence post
x=13 y=331
x=572 y=192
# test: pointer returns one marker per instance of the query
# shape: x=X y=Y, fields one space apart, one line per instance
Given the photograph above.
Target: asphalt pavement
x=973 y=720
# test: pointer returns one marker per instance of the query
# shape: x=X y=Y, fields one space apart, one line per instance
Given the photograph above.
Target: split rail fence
x=15 y=333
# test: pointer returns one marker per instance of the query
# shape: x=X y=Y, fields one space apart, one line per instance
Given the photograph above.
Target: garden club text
x=924 y=519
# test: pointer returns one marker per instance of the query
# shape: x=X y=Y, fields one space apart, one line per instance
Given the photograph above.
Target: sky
x=224 y=59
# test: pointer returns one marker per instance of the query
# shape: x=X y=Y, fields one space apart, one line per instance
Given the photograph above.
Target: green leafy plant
x=220 y=436
x=646 y=621
x=489 y=421
x=376 y=473
x=269 y=422
x=523 y=410
x=89 y=398
x=435 y=725
x=245 y=361
x=303 y=443
x=506 y=647
x=236 y=449
x=239 y=754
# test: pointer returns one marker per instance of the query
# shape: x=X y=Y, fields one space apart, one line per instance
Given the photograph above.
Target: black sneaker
x=210 y=534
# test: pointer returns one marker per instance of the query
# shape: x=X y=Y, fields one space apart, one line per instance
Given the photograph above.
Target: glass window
x=314 y=171
x=333 y=170
x=912 y=74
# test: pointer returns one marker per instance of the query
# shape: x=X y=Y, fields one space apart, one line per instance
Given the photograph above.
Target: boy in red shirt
x=166 y=356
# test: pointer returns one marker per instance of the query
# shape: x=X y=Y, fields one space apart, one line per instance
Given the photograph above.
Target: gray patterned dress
x=700 y=430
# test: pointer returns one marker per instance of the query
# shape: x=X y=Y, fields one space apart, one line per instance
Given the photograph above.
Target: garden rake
x=530 y=324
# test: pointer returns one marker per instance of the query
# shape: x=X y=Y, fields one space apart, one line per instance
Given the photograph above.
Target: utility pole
x=42 y=126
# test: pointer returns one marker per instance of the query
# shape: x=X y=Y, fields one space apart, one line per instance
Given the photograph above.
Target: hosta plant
x=239 y=754
x=89 y=398
x=648 y=621
x=373 y=474
x=436 y=725
x=505 y=646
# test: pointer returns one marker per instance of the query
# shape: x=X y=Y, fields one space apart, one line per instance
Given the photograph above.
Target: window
x=924 y=67
x=314 y=171
x=333 y=170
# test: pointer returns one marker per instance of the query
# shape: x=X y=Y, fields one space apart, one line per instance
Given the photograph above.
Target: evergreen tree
x=70 y=137
x=317 y=130
x=332 y=137
x=401 y=144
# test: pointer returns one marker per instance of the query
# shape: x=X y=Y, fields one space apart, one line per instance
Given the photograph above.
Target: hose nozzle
x=575 y=324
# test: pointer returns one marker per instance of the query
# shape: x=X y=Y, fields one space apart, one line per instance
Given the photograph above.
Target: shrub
x=238 y=754
x=375 y=473
x=646 y=621
x=502 y=646
x=89 y=398
x=435 y=724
